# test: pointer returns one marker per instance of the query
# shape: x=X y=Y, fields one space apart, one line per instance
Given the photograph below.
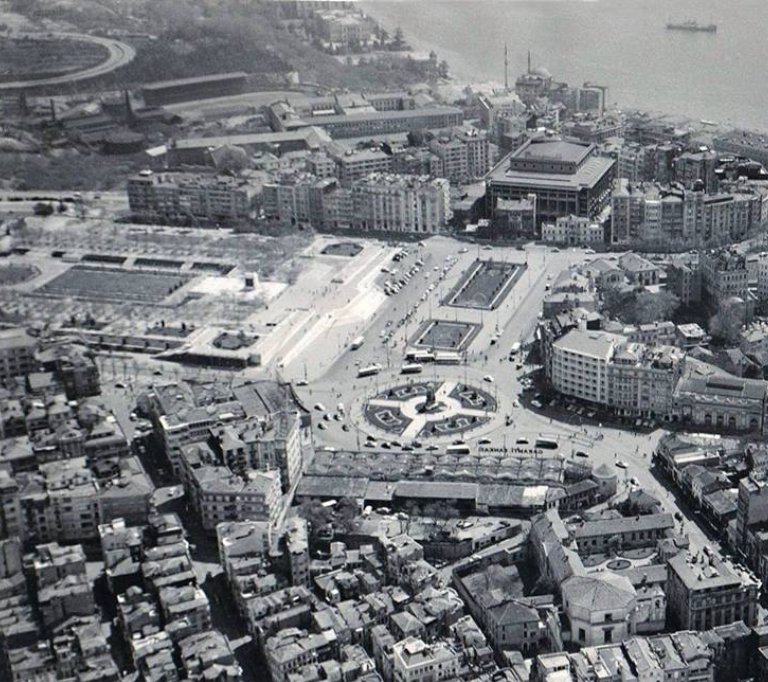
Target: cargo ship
x=691 y=26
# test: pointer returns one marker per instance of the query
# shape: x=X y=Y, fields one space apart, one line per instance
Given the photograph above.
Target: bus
x=419 y=356
x=369 y=371
x=357 y=343
x=411 y=368
x=447 y=358
x=457 y=450
x=515 y=348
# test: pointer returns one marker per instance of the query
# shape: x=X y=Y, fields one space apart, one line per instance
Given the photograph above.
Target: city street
x=514 y=321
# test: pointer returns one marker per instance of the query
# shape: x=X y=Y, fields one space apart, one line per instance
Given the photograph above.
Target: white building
x=401 y=203
x=580 y=362
x=415 y=661
x=573 y=230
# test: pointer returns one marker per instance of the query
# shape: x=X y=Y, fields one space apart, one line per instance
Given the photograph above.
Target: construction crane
x=603 y=90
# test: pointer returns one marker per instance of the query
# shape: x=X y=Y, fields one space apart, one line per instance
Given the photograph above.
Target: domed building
x=606 y=479
x=534 y=83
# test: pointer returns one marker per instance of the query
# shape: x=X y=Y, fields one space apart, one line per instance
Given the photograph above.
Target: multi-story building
x=567 y=178
x=703 y=592
x=366 y=123
x=641 y=379
x=509 y=620
x=196 y=87
x=724 y=275
x=607 y=369
x=658 y=213
x=17 y=353
x=353 y=164
x=415 y=161
x=216 y=494
x=176 y=197
x=401 y=203
x=464 y=154
x=684 y=280
x=188 y=604
x=579 y=364
x=345 y=28
x=415 y=661
x=296 y=198
x=595 y=537
x=573 y=231
x=297 y=548
x=751 y=512
x=515 y=218
x=691 y=168
x=261 y=444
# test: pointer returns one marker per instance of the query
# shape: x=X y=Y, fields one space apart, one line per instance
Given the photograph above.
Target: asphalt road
x=515 y=321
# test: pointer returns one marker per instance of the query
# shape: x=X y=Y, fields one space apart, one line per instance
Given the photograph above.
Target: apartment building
x=17 y=353
x=724 y=275
x=657 y=212
x=354 y=164
x=261 y=444
x=579 y=364
x=176 y=197
x=703 y=592
x=401 y=203
x=216 y=494
x=464 y=153
x=296 y=198
x=641 y=379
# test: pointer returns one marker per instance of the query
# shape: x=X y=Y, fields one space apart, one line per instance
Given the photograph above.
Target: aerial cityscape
x=324 y=361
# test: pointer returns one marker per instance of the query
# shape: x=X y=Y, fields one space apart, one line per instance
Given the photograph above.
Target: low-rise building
x=573 y=231
x=600 y=609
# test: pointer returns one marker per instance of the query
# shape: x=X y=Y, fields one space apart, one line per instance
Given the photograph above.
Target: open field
x=484 y=285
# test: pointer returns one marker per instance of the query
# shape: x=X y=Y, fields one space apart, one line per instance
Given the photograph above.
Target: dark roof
x=178 y=82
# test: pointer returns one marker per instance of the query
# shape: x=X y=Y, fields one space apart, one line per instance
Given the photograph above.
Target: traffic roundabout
x=421 y=410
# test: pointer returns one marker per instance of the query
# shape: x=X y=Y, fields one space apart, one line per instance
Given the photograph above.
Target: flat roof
x=587 y=175
x=252 y=138
x=553 y=150
x=385 y=115
x=593 y=343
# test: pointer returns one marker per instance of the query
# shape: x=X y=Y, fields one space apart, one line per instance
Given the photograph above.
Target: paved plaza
x=484 y=285
x=445 y=335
